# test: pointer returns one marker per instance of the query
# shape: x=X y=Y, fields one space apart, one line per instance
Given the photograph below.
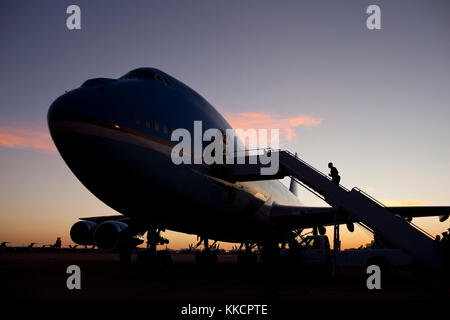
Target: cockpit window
x=97 y=82
x=164 y=80
x=140 y=74
x=145 y=73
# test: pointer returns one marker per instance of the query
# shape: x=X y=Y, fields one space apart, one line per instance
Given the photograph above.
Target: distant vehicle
x=57 y=243
x=315 y=251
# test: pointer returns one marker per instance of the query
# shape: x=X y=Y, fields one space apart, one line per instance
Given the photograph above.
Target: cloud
x=29 y=139
x=267 y=121
x=404 y=203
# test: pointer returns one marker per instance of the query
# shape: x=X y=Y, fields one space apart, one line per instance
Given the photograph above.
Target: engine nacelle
x=82 y=232
x=110 y=235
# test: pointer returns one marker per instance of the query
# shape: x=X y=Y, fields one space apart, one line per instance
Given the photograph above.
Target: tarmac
x=42 y=276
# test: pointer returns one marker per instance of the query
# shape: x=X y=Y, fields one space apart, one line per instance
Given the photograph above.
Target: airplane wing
x=101 y=219
x=308 y=217
x=305 y=217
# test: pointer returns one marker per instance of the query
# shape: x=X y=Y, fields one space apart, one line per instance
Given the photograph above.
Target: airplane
x=31 y=245
x=215 y=247
x=3 y=245
x=115 y=136
x=190 y=249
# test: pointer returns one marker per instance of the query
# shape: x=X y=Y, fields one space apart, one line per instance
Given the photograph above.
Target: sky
x=374 y=102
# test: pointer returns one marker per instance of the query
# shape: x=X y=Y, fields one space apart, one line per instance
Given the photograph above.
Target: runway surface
x=42 y=276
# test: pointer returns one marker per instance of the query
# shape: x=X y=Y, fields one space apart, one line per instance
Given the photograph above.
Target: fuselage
x=115 y=136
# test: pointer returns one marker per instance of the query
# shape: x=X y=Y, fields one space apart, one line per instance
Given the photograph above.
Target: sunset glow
x=20 y=138
x=286 y=126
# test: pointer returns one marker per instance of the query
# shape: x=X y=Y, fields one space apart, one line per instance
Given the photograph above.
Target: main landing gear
x=247 y=256
x=150 y=261
x=270 y=257
x=208 y=256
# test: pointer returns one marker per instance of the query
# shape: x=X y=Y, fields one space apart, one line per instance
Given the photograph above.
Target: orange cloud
x=267 y=121
x=19 y=138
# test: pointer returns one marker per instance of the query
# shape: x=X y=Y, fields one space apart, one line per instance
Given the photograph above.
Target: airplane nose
x=61 y=109
x=88 y=101
x=65 y=116
x=66 y=107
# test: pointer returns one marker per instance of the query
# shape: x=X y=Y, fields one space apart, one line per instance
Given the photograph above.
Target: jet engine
x=82 y=232
x=110 y=235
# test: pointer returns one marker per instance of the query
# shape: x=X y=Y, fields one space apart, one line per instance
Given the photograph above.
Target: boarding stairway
x=357 y=204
